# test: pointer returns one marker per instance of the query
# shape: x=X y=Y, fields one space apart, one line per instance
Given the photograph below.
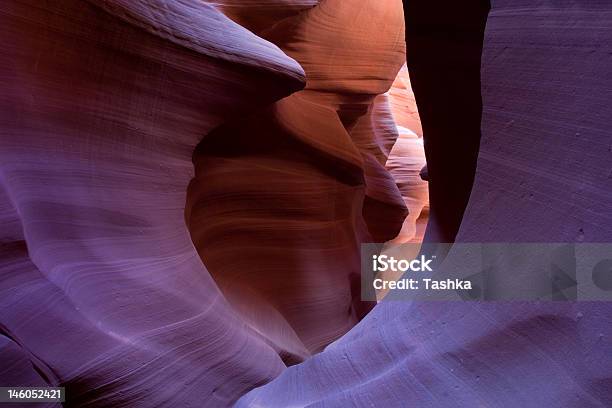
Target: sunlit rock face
x=282 y=198
x=403 y=103
x=543 y=176
x=102 y=107
x=407 y=159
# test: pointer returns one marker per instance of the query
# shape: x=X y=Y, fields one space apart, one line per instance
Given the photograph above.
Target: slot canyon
x=185 y=187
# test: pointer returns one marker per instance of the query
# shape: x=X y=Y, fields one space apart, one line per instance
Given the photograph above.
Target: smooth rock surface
x=104 y=102
x=297 y=186
x=407 y=158
x=102 y=106
x=543 y=176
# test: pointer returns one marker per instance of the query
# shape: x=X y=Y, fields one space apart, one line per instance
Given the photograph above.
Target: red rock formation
x=543 y=176
x=407 y=158
x=101 y=288
x=403 y=103
x=298 y=186
x=259 y=15
x=405 y=162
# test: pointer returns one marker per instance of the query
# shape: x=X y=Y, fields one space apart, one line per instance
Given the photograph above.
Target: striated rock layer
x=104 y=102
x=296 y=187
x=543 y=176
x=101 y=289
x=407 y=159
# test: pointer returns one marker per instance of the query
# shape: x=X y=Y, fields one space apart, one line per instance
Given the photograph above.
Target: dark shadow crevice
x=444 y=47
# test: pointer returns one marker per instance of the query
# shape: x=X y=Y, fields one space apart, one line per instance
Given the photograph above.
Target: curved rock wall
x=407 y=159
x=543 y=176
x=444 y=47
x=297 y=186
x=101 y=288
x=103 y=105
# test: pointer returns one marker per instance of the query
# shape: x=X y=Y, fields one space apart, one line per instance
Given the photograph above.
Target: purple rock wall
x=103 y=291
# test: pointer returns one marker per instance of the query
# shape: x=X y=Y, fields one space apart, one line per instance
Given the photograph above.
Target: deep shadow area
x=444 y=46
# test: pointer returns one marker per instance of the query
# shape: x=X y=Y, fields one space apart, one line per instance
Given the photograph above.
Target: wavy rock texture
x=102 y=106
x=405 y=162
x=543 y=176
x=296 y=187
x=101 y=288
x=407 y=159
x=404 y=105
x=259 y=15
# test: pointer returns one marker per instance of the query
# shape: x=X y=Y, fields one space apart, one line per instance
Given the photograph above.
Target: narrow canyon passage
x=296 y=187
x=541 y=117
x=406 y=160
x=185 y=186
